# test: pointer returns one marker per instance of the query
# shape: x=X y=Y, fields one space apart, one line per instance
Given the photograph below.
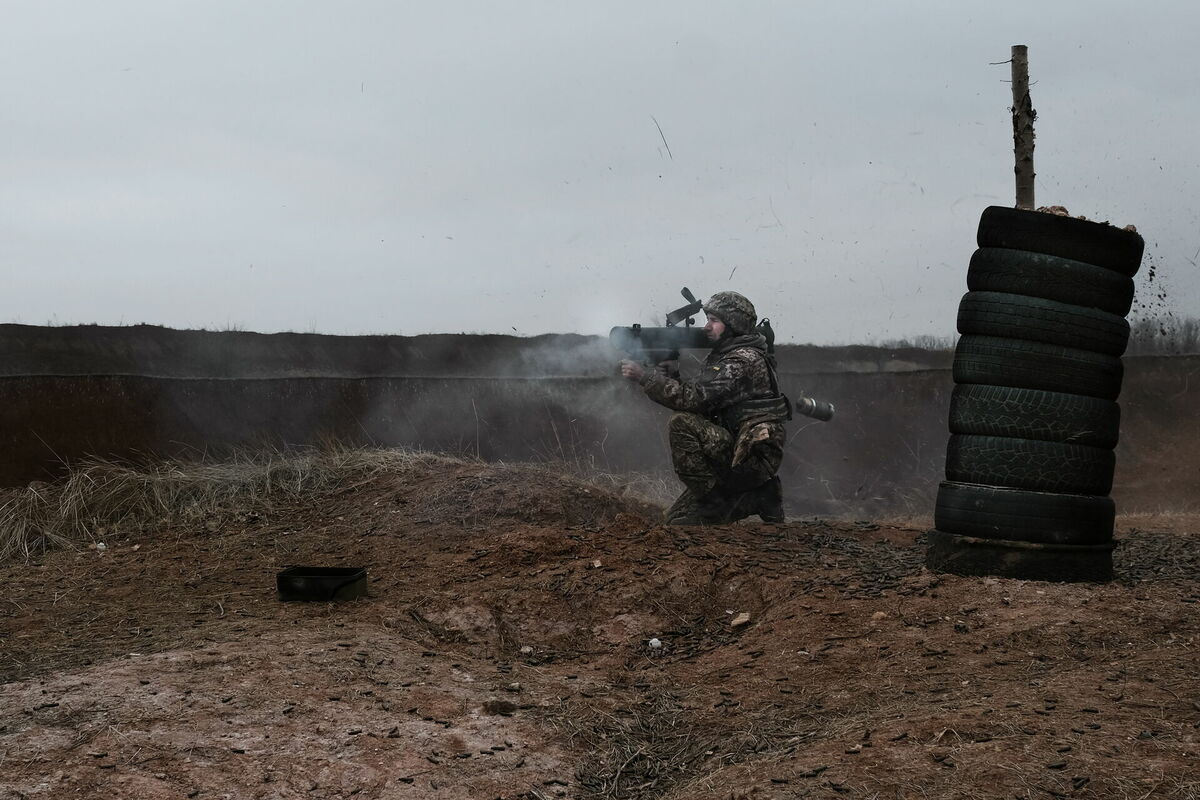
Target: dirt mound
x=102 y=498
x=503 y=651
x=481 y=494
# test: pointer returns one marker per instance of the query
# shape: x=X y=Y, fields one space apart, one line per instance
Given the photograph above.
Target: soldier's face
x=714 y=329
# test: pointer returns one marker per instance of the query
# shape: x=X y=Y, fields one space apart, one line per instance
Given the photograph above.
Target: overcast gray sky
x=397 y=167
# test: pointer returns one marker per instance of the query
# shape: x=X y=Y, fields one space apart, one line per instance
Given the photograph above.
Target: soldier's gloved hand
x=669 y=368
x=632 y=370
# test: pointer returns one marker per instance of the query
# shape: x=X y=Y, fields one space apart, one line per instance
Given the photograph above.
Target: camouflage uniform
x=727 y=439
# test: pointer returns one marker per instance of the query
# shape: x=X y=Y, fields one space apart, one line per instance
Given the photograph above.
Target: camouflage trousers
x=702 y=453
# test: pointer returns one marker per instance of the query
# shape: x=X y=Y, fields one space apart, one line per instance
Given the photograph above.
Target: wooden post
x=1023 y=116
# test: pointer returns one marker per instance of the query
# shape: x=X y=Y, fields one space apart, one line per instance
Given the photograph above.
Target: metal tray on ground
x=322 y=583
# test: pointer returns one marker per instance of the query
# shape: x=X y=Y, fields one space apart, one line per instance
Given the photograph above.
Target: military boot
x=766 y=501
x=684 y=506
x=714 y=508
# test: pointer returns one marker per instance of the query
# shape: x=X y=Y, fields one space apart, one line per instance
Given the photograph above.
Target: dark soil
x=503 y=652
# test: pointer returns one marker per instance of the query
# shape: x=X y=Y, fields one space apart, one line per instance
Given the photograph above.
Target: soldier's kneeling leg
x=754 y=478
x=700 y=452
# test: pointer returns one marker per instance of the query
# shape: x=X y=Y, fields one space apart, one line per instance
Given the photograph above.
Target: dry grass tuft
x=99 y=496
x=656 y=747
x=643 y=752
x=653 y=488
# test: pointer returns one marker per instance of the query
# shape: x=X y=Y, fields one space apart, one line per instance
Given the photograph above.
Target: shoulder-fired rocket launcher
x=652 y=346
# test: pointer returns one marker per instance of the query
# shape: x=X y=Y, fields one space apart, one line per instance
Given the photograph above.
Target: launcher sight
x=655 y=345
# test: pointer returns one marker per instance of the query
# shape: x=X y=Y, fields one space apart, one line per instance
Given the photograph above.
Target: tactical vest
x=773 y=408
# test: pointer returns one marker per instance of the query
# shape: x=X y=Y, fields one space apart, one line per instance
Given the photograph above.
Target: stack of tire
x=1033 y=416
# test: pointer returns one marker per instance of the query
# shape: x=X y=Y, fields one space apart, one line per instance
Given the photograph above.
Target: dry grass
x=657 y=748
x=570 y=454
x=643 y=752
x=652 y=488
x=98 y=496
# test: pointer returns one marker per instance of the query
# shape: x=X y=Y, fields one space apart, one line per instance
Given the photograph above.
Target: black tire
x=995 y=269
x=1029 y=464
x=991 y=512
x=1028 y=561
x=1016 y=316
x=997 y=361
x=1077 y=239
x=1033 y=414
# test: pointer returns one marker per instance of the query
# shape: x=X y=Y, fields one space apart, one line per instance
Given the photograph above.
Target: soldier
x=727 y=437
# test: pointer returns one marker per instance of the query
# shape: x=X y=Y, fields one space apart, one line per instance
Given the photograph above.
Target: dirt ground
x=503 y=652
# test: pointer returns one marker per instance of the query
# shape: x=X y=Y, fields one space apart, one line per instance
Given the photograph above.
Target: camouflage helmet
x=734 y=310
